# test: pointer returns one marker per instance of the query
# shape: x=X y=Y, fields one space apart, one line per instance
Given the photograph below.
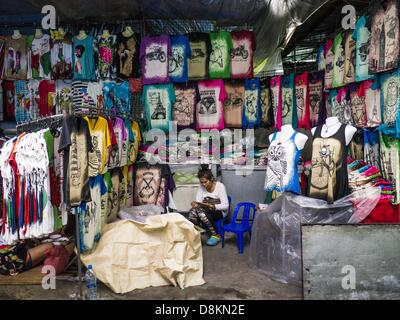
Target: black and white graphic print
x=239 y=52
x=208 y=105
x=234 y=100
x=217 y=55
x=363 y=51
x=300 y=100
x=391 y=98
x=251 y=104
x=277 y=166
x=175 y=63
x=75 y=168
x=325 y=166
x=156 y=53
x=147 y=188
x=287 y=102
x=159 y=111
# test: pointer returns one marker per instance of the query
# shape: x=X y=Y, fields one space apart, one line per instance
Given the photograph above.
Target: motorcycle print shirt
x=154 y=53
x=39 y=61
x=61 y=56
x=373 y=102
x=198 y=61
x=289 y=115
x=128 y=65
x=358 y=108
x=220 y=57
x=252 y=104
x=244 y=45
x=267 y=116
x=338 y=62
x=83 y=59
x=384 y=25
x=329 y=64
x=16 y=65
x=184 y=108
x=106 y=57
x=233 y=105
x=302 y=101
x=178 y=61
x=316 y=98
x=390 y=100
x=158 y=101
x=350 y=58
x=209 y=110
x=362 y=36
x=276 y=100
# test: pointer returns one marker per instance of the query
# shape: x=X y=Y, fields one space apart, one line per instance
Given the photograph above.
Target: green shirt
x=220 y=58
x=338 y=62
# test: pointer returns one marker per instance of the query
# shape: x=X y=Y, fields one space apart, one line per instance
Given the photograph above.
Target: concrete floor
x=226 y=274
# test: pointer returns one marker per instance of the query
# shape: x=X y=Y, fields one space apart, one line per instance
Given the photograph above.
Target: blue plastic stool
x=240 y=228
x=219 y=224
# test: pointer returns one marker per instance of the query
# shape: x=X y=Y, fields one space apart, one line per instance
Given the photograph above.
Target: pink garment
x=244 y=46
x=276 y=93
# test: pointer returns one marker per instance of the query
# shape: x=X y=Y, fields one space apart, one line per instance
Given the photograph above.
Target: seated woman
x=211 y=205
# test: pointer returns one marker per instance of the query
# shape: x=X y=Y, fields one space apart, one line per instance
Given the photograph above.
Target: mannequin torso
x=38 y=33
x=287 y=132
x=332 y=125
x=16 y=35
x=61 y=32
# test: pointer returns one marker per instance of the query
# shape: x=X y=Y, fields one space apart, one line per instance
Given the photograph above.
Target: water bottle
x=91 y=283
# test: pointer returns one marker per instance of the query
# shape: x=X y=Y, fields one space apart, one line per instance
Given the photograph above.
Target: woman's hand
x=194 y=204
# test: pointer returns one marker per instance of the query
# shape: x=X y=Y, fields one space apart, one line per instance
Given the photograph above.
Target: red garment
x=302 y=100
x=54 y=188
x=112 y=133
x=9 y=96
x=135 y=85
x=46 y=89
x=384 y=212
x=57 y=257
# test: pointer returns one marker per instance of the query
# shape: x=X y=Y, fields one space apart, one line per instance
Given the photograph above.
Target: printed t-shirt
x=106 y=64
x=83 y=59
x=61 y=55
x=234 y=103
x=128 y=55
x=178 y=61
x=200 y=50
x=242 y=53
x=39 y=62
x=338 y=62
x=16 y=65
x=220 y=57
x=252 y=107
x=183 y=110
x=362 y=37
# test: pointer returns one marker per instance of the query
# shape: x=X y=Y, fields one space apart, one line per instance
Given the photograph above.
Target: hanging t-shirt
x=341 y=105
x=122 y=98
x=183 y=110
x=39 y=62
x=158 y=101
x=200 y=49
x=178 y=61
x=390 y=99
x=61 y=55
x=154 y=53
x=128 y=55
x=131 y=184
x=321 y=58
x=34 y=98
x=47 y=92
x=2 y=103
x=22 y=101
x=220 y=57
x=16 y=65
x=283 y=157
x=373 y=102
x=120 y=136
x=362 y=37
x=101 y=141
x=302 y=101
x=109 y=97
x=384 y=48
x=63 y=96
x=371 y=147
x=209 y=110
x=83 y=59
x=9 y=96
x=76 y=143
x=316 y=97
x=116 y=178
x=350 y=58
x=126 y=143
x=288 y=101
x=244 y=45
x=86 y=95
x=356 y=146
x=329 y=64
x=106 y=199
x=276 y=100
x=252 y=104
x=267 y=116
x=233 y=105
x=2 y=56
x=338 y=62
x=106 y=64
x=329 y=177
x=358 y=109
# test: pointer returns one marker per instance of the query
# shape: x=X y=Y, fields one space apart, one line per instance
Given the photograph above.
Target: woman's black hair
x=205 y=172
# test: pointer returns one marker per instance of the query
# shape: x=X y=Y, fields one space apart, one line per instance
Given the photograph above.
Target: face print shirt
x=316 y=97
x=200 y=49
x=233 y=105
x=302 y=101
x=184 y=108
x=267 y=116
x=154 y=53
x=209 y=110
x=244 y=45
x=350 y=58
x=372 y=102
x=384 y=48
x=252 y=107
x=39 y=62
x=128 y=65
x=158 y=101
x=362 y=37
x=83 y=59
x=338 y=62
x=61 y=55
x=106 y=59
x=220 y=57
x=16 y=65
x=329 y=63
x=276 y=100
x=390 y=99
x=289 y=115
x=178 y=61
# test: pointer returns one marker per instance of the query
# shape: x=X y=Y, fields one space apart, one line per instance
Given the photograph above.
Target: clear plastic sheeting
x=140 y=213
x=275 y=247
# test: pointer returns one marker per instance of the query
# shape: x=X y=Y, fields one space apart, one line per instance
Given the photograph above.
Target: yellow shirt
x=101 y=140
x=135 y=146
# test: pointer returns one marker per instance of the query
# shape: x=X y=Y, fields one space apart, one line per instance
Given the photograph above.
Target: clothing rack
x=40 y=123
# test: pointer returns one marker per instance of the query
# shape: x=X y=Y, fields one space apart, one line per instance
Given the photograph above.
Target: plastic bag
x=275 y=247
x=140 y=213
